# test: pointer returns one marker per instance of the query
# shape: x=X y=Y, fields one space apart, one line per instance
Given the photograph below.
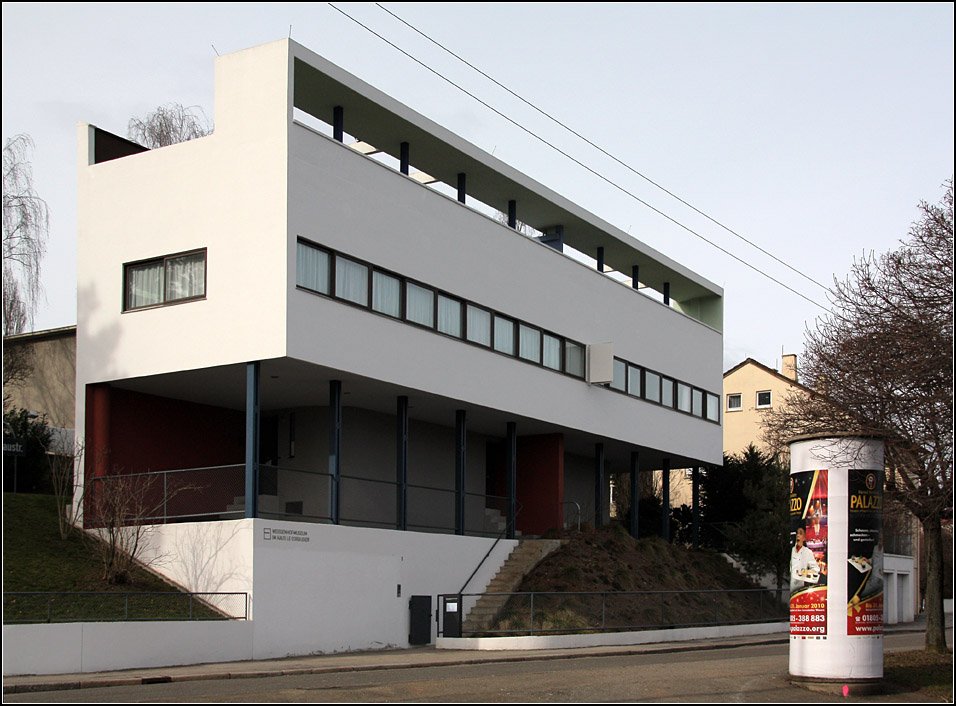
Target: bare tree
x=169 y=125
x=62 y=463
x=882 y=364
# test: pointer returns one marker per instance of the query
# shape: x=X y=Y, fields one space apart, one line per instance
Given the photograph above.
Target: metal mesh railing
x=74 y=607
x=534 y=613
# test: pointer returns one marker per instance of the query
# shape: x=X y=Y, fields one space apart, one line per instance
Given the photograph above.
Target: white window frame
x=740 y=400
x=757 y=399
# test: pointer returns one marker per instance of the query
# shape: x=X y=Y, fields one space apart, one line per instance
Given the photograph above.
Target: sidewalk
x=374 y=660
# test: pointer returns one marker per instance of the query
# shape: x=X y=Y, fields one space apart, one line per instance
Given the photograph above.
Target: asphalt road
x=750 y=674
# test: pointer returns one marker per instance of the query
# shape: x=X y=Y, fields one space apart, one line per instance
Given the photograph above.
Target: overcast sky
x=813 y=130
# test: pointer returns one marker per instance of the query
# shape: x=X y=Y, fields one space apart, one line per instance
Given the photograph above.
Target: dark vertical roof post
x=600 y=258
x=666 y=500
x=252 y=439
x=599 y=485
x=511 y=473
x=461 y=187
x=401 y=463
x=403 y=158
x=338 y=123
x=667 y=293
x=512 y=214
x=635 y=493
x=335 y=447
x=461 y=451
x=635 y=274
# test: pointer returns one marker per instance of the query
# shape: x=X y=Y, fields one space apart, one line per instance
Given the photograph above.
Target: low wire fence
x=83 y=606
x=535 y=613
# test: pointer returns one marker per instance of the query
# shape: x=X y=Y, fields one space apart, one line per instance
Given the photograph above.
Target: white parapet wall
x=606 y=639
x=74 y=648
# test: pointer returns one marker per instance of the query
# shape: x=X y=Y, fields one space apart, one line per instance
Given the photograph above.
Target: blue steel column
x=335 y=448
x=401 y=464
x=666 y=500
x=695 y=502
x=512 y=471
x=461 y=448
x=512 y=214
x=338 y=123
x=599 y=485
x=461 y=187
x=635 y=274
x=635 y=493
x=252 y=439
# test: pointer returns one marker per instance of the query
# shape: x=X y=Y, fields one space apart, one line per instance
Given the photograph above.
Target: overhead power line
x=576 y=160
x=601 y=149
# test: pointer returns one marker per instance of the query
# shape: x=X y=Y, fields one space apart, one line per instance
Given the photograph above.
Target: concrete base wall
x=641 y=637
x=91 y=647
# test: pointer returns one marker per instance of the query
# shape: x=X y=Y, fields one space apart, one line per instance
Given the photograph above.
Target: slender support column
x=635 y=493
x=338 y=123
x=401 y=463
x=600 y=258
x=513 y=214
x=252 y=439
x=667 y=293
x=635 y=275
x=335 y=448
x=512 y=472
x=695 y=502
x=403 y=158
x=599 y=485
x=461 y=448
x=461 y=187
x=666 y=500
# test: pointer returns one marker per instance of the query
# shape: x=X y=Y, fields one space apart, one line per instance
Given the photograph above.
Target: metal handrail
x=578 y=506
x=490 y=550
x=203 y=598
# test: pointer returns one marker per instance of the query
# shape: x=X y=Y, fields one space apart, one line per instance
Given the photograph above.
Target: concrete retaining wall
x=641 y=637
x=66 y=648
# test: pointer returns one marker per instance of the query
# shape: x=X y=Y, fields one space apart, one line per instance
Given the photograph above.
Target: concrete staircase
x=522 y=559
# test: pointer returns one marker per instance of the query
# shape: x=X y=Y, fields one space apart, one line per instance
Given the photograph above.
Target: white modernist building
x=356 y=380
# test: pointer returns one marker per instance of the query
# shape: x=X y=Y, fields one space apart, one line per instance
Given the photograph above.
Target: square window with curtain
x=419 y=305
x=478 y=325
x=165 y=280
x=386 y=294
x=312 y=268
x=504 y=335
x=734 y=402
x=574 y=359
x=551 y=352
x=529 y=343
x=351 y=281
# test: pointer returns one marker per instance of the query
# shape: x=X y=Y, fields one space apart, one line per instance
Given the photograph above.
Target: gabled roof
x=769 y=371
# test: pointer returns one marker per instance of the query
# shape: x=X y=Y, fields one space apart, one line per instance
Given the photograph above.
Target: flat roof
x=380 y=120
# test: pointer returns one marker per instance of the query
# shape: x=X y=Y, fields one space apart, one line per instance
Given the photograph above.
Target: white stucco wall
x=421 y=234
x=73 y=648
x=335 y=588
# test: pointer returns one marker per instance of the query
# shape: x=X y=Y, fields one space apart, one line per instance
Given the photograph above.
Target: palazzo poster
x=808 y=554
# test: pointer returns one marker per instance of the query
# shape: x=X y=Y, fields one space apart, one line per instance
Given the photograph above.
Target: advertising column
x=836 y=559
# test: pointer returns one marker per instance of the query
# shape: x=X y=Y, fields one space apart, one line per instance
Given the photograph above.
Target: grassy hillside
x=36 y=559
x=609 y=560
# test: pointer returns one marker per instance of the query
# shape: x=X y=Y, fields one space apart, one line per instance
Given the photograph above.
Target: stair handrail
x=490 y=550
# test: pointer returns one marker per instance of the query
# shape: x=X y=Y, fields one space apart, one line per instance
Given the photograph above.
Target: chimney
x=788 y=367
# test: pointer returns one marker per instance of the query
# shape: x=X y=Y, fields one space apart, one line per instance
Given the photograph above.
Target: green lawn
x=36 y=559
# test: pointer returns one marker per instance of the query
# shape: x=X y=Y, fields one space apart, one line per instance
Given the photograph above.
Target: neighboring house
x=400 y=376
x=750 y=390
x=49 y=384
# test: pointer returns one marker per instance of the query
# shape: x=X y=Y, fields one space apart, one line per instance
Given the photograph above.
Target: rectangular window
x=619 y=381
x=697 y=408
x=713 y=407
x=387 y=294
x=504 y=335
x=312 y=268
x=633 y=380
x=734 y=402
x=574 y=359
x=551 y=352
x=185 y=277
x=652 y=386
x=419 y=305
x=479 y=325
x=165 y=280
x=667 y=392
x=529 y=343
x=449 y=316
x=763 y=399
x=351 y=281
x=683 y=397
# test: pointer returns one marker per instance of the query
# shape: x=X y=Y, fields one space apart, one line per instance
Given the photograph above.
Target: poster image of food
x=808 y=553
x=864 y=576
